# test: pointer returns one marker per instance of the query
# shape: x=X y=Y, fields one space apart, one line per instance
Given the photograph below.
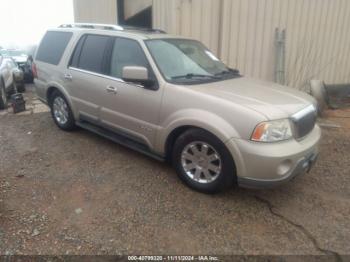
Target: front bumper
x=267 y=165
x=303 y=166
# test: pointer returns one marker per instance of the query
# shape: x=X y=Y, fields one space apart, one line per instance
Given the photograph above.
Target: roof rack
x=111 y=27
x=144 y=29
x=93 y=26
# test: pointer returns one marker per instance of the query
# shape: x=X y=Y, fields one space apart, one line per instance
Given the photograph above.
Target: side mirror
x=137 y=75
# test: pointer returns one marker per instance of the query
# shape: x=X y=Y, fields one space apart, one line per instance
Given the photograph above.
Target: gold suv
x=172 y=99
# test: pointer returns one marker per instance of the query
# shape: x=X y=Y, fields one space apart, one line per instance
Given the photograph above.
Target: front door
x=129 y=107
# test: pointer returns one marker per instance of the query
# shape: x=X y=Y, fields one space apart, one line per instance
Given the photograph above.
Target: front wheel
x=61 y=112
x=203 y=162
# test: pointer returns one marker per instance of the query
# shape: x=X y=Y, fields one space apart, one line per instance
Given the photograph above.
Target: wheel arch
x=178 y=131
x=51 y=88
x=218 y=128
x=49 y=93
x=172 y=137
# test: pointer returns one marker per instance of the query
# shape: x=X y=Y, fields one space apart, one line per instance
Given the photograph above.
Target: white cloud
x=23 y=22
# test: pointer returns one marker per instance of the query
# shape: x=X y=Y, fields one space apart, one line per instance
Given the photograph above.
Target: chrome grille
x=304 y=121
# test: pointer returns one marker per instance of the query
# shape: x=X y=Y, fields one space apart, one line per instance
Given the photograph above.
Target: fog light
x=284 y=167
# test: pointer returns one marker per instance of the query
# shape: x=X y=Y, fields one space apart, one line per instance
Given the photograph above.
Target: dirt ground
x=78 y=193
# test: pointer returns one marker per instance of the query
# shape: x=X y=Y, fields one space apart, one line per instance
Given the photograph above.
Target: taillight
x=34 y=70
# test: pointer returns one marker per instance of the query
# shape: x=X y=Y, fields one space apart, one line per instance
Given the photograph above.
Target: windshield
x=187 y=61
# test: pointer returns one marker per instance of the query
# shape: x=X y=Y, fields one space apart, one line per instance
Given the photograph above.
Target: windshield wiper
x=190 y=76
x=228 y=71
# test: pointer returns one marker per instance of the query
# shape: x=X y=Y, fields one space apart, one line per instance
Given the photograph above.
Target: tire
x=61 y=112
x=13 y=90
x=3 y=96
x=216 y=171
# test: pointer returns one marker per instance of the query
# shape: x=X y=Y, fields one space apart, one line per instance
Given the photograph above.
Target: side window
x=74 y=62
x=126 y=52
x=52 y=47
x=92 y=53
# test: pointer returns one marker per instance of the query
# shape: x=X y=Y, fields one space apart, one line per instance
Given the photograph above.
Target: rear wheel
x=61 y=112
x=3 y=96
x=203 y=162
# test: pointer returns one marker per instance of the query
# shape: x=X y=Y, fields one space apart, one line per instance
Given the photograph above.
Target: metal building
x=243 y=34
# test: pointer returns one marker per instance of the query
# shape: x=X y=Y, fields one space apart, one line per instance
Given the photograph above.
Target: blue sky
x=23 y=22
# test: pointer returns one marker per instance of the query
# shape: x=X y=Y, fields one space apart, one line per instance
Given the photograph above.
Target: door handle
x=111 y=90
x=68 y=76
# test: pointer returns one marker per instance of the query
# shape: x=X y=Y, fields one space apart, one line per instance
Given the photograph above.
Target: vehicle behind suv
x=174 y=100
x=11 y=80
x=22 y=60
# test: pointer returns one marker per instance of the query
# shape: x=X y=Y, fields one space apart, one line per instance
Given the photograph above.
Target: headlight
x=273 y=131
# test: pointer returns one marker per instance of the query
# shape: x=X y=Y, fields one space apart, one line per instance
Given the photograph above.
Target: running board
x=120 y=139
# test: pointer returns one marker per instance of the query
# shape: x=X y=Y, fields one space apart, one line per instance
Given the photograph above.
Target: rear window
x=52 y=47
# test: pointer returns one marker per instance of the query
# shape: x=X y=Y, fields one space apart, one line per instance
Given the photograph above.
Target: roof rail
x=93 y=26
x=144 y=29
x=111 y=27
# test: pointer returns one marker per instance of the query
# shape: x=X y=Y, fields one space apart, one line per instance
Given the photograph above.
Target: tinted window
x=92 y=53
x=52 y=47
x=74 y=62
x=126 y=52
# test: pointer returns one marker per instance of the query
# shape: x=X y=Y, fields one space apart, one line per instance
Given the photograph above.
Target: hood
x=271 y=100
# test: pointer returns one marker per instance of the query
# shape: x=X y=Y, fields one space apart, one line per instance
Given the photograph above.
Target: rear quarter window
x=52 y=47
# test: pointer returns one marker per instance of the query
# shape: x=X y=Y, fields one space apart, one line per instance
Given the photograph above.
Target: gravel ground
x=77 y=193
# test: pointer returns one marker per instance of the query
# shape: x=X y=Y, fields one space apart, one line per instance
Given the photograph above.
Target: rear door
x=85 y=75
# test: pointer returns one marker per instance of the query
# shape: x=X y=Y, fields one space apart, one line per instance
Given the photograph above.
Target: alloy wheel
x=60 y=110
x=201 y=162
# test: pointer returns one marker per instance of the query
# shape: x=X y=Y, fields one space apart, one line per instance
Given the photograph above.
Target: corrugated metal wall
x=92 y=11
x=241 y=33
x=196 y=18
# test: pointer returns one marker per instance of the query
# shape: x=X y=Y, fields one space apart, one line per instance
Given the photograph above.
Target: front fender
x=196 y=118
